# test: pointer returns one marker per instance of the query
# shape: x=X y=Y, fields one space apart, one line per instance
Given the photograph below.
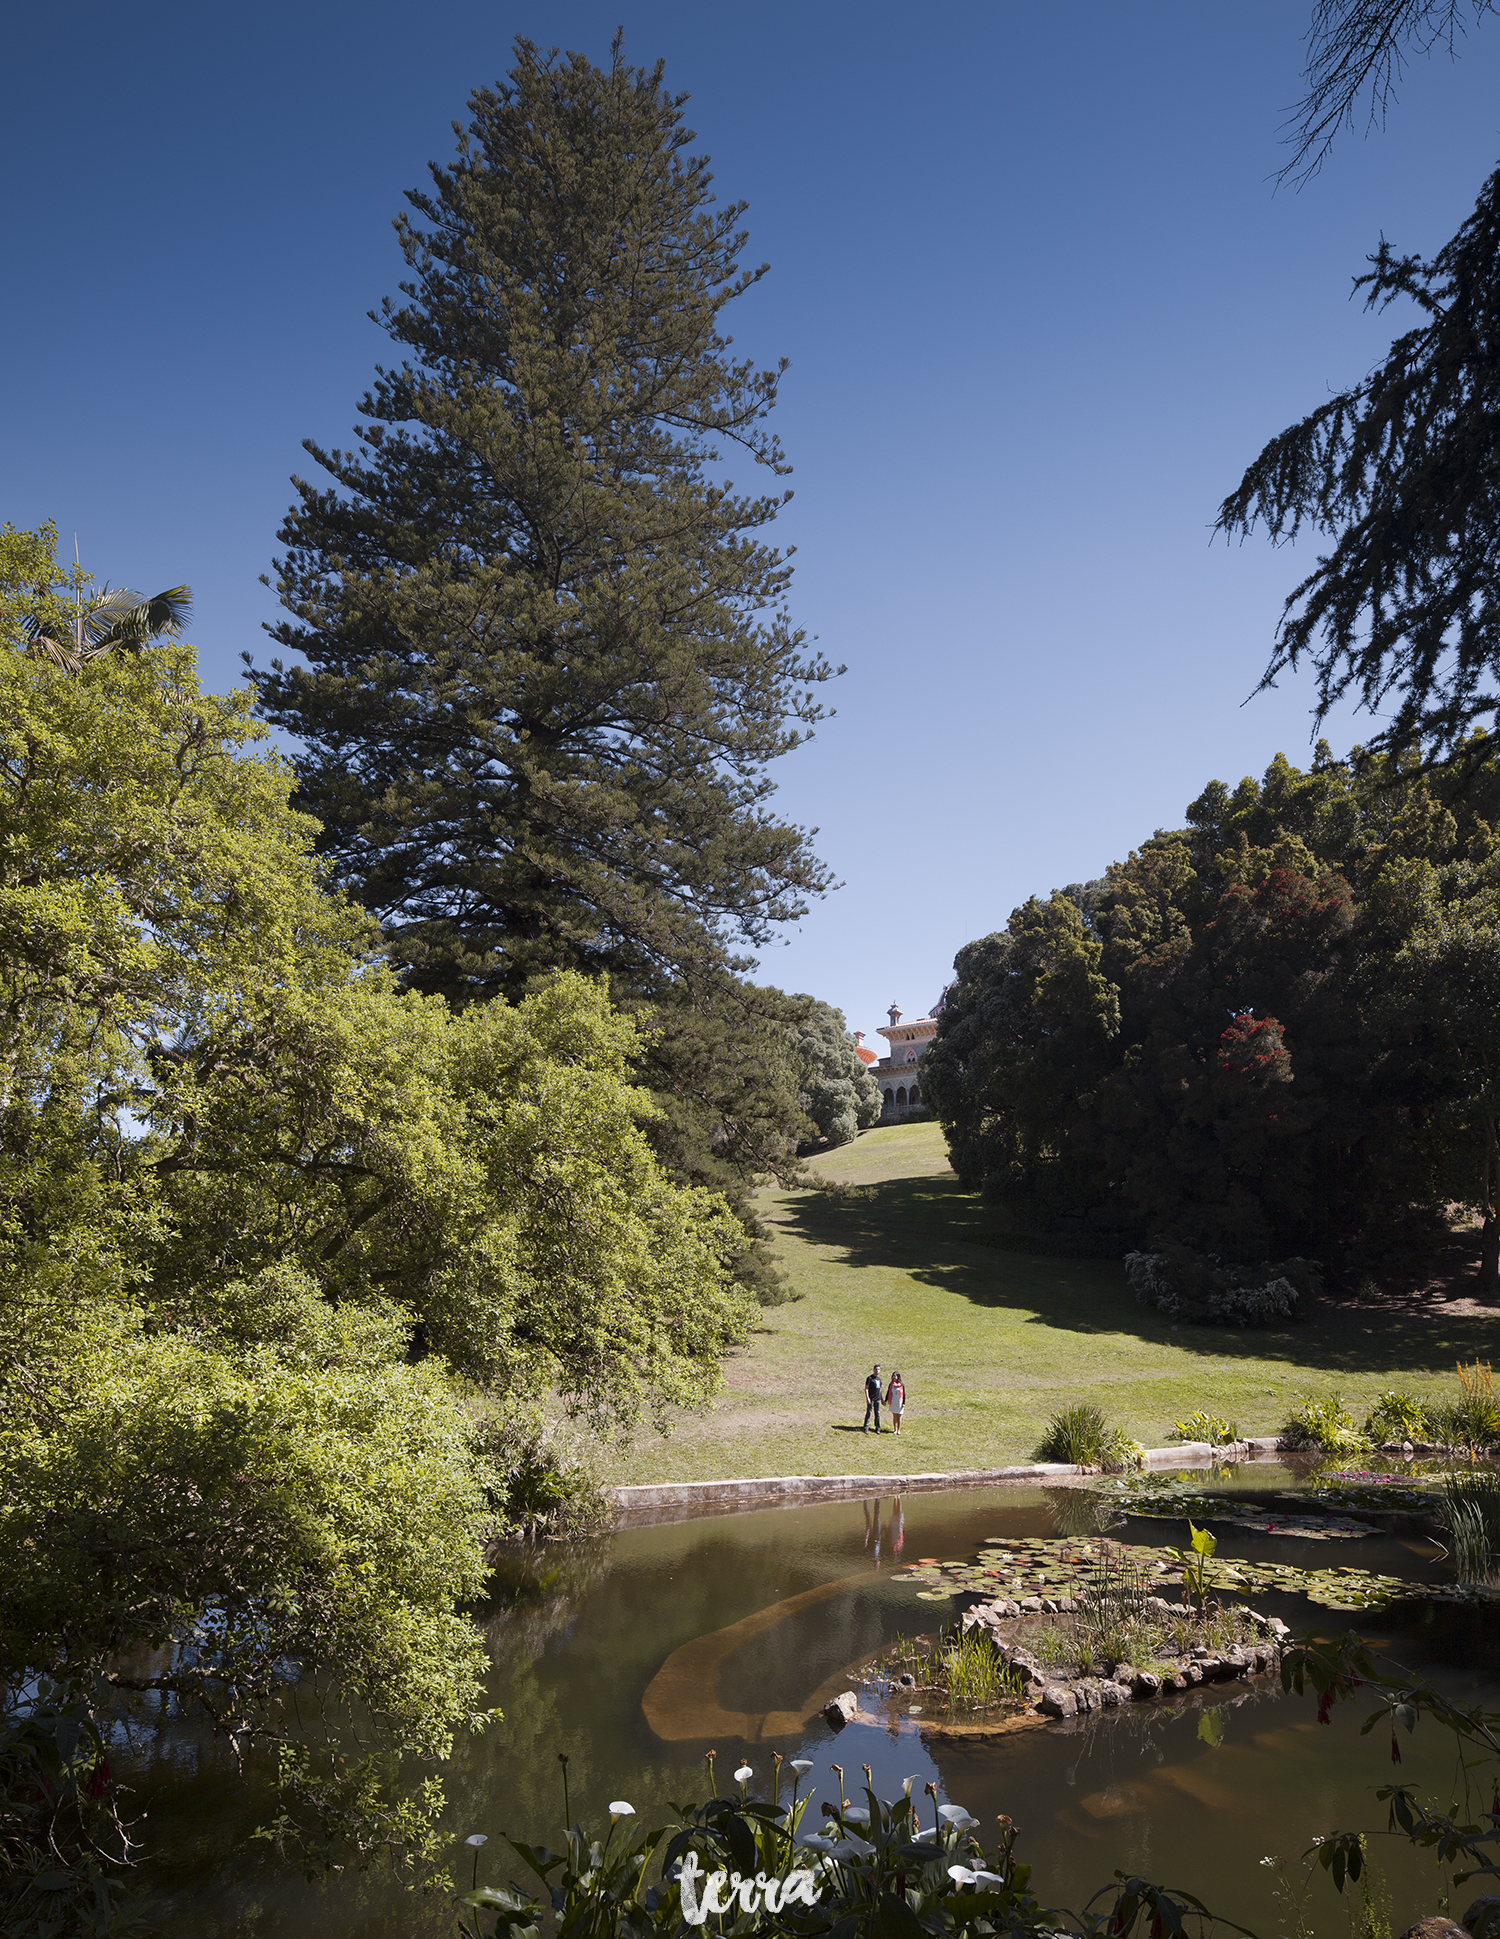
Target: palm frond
x=108 y=619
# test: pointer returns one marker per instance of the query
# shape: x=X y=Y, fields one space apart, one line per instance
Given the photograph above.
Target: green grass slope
x=913 y=1273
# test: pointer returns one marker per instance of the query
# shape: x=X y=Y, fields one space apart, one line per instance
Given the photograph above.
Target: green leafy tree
x=276 y=1237
x=1259 y=1035
x=1022 y=1043
x=545 y=660
x=1444 y=1001
x=836 y=1089
x=64 y=617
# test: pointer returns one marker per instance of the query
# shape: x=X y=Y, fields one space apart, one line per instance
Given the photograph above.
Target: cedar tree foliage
x=548 y=659
x=1358 y=44
x=1403 y=473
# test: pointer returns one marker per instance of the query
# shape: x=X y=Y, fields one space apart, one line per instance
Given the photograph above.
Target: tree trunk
x=1489 y=1240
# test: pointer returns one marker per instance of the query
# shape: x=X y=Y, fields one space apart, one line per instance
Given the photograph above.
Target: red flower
x=1325 y=1706
x=1395 y=1747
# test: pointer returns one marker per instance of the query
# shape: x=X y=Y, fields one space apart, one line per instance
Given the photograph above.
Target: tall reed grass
x=1471 y=1510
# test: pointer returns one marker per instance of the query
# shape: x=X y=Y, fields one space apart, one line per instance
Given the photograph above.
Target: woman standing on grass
x=895 y=1399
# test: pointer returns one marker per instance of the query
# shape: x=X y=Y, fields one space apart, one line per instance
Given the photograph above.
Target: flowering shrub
x=1255 y=1048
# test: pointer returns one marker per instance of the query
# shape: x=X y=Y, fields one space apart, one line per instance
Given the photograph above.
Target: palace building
x=898 y=1075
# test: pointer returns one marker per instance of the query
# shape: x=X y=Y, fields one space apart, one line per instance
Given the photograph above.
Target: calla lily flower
x=800 y=1764
x=743 y=1773
x=856 y=1814
x=477 y=1838
x=956 y=1815
x=814 y=1841
x=620 y=1809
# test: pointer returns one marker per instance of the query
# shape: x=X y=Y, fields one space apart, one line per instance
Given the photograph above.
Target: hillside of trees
x=1274 y=1030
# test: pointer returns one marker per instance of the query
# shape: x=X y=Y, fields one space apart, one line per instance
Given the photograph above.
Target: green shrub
x=1205 y=1427
x=1396 y=1417
x=1323 y=1425
x=1198 y=1289
x=1081 y=1434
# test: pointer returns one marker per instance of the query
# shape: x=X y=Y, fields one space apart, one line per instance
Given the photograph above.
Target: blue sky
x=1042 y=302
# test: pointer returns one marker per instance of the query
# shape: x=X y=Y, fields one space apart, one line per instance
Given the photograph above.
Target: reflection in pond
x=607 y=1650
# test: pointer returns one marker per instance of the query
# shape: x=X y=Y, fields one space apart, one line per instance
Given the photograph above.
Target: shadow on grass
x=944 y=1237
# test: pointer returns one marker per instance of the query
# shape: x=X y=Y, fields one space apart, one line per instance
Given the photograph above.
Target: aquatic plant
x=1199 y=1426
x=1112 y=1606
x=1324 y=1425
x=1081 y=1434
x=1471 y=1513
x=973 y=1674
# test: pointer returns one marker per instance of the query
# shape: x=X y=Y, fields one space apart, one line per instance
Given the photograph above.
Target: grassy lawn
x=991 y=1339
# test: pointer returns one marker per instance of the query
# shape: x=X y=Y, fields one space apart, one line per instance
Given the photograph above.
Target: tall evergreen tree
x=548 y=659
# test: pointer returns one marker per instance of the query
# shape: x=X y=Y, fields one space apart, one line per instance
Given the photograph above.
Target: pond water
x=637 y=1653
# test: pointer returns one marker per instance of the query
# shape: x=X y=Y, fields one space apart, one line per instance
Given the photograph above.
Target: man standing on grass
x=872 y=1399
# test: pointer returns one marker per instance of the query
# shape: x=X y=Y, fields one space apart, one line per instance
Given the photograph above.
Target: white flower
x=956 y=1815
x=851 y=1847
x=620 y=1809
x=961 y=1875
x=906 y=1787
x=856 y=1814
x=743 y=1773
x=801 y=1764
x=477 y=1838
x=812 y=1841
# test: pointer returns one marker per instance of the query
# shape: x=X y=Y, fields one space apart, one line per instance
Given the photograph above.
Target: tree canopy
x=544 y=654
x=1261 y=1033
x=279 y=1238
x=1403 y=471
x=836 y=1090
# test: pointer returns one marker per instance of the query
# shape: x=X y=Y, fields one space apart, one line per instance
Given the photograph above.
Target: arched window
x=889 y=1100
x=916 y=1096
x=901 y=1098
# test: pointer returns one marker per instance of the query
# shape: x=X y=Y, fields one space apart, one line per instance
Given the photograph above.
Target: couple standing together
x=895 y=1399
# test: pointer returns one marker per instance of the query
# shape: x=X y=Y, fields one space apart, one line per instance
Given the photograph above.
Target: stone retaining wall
x=666 y=1501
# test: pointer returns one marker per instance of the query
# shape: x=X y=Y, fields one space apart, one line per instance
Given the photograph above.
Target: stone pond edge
x=664 y=1500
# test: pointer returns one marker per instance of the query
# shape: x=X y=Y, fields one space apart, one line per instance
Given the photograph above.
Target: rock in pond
x=841 y=1710
x=1058 y=1701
